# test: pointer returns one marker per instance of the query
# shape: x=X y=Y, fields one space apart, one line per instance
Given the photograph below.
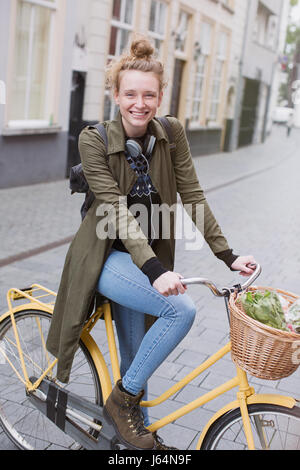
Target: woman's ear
x=160 y=97
x=116 y=97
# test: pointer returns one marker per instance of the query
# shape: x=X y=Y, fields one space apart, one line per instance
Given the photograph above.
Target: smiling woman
x=134 y=269
x=138 y=97
x=137 y=82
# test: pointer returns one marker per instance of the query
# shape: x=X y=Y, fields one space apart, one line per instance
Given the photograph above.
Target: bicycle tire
x=281 y=427
x=25 y=426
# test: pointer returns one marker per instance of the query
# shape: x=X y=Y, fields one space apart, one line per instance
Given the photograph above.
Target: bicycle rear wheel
x=27 y=427
x=274 y=428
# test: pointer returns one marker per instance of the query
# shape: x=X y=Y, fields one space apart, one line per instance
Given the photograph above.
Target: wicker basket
x=263 y=351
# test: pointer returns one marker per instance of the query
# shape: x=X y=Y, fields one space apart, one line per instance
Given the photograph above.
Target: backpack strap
x=164 y=122
x=78 y=183
x=102 y=131
x=168 y=128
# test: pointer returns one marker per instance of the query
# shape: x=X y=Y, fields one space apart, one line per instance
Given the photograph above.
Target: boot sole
x=121 y=439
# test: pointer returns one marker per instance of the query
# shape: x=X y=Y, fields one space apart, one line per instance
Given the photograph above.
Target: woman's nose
x=140 y=101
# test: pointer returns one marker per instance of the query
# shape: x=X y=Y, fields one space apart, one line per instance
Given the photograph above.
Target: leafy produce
x=293 y=316
x=264 y=307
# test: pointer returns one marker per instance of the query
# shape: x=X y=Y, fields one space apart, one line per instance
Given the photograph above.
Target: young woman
x=134 y=268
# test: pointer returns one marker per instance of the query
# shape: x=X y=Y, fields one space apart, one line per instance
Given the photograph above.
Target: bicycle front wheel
x=274 y=428
x=27 y=427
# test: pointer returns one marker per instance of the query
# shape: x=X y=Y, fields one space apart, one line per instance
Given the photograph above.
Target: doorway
x=249 y=112
x=75 y=120
x=177 y=80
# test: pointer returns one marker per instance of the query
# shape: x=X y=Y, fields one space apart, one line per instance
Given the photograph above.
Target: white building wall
x=5 y=12
x=284 y=18
x=238 y=32
x=92 y=28
x=94 y=22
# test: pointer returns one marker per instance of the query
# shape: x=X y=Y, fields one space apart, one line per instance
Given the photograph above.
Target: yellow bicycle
x=38 y=412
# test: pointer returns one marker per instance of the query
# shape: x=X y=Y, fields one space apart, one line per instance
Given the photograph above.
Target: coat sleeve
x=191 y=193
x=110 y=199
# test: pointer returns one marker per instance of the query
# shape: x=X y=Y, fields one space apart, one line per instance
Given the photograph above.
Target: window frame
x=154 y=34
x=206 y=52
x=186 y=32
x=26 y=125
x=119 y=24
x=218 y=78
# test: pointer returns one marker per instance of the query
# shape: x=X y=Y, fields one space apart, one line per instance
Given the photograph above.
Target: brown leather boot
x=160 y=445
x=122 y=410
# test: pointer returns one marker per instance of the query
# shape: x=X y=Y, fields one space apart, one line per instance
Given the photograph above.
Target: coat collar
x=116 y=134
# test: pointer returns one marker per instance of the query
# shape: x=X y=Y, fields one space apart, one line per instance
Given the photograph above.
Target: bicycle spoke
x=274 y=428
x=22 y=422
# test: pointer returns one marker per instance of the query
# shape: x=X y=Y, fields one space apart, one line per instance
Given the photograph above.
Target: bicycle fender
x=28 y=306
x=230 y=406
x=271 y=399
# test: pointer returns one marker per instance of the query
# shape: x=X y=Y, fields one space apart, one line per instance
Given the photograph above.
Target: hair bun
x=141 y=49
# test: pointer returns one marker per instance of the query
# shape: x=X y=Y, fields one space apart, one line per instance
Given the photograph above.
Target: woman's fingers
x=169 y=284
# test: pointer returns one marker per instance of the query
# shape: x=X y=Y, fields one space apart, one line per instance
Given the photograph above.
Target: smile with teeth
x=138 y=114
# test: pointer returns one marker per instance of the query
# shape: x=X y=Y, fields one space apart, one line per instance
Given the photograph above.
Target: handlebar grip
x=215 y=290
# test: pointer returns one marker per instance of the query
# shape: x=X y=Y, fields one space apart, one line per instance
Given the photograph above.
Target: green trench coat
x=111 y=179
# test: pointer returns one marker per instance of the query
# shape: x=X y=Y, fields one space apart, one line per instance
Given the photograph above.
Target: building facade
x=36 y=41
x=219 y=55
x=258 y=82
x=194 y=39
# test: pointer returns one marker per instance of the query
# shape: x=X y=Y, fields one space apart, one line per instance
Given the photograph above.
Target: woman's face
x=139 y=98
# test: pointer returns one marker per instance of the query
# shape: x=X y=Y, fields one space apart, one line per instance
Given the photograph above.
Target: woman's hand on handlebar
x=169 y=284
x=245 y=264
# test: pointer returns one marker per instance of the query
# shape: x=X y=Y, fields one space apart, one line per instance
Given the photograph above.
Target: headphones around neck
x=135 y=150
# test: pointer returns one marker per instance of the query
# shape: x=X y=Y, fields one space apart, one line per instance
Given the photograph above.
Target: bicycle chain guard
x=62 y=407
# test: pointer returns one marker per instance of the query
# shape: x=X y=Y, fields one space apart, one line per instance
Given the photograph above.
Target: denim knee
x=185 y=312
x=189 y=314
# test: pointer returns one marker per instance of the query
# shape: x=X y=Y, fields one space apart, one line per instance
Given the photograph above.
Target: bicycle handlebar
x=221 y=293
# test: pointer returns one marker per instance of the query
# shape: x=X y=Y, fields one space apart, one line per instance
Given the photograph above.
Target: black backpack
x=78 y=182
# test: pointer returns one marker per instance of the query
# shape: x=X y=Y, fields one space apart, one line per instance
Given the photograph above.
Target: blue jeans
x=132 y=296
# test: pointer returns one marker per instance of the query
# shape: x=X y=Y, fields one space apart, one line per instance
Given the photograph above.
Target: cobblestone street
x=254 y=193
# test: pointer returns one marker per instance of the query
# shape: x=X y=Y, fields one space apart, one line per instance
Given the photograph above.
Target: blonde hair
x=141 y=56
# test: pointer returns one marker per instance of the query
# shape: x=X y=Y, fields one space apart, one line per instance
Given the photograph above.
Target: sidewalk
x=45 y=213
x=254 y=193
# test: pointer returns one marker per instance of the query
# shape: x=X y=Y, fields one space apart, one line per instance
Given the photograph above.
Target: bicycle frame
x=245 y=395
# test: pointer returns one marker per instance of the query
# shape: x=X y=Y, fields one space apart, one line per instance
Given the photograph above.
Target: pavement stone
x=254 y=193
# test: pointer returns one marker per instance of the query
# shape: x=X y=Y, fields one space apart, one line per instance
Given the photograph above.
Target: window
x=182 y=31
x=265 y=27
x=157 y=23
x=201 y=70
x=121 y=28
x=29 y=94
x=198 y=90
x=218 y=76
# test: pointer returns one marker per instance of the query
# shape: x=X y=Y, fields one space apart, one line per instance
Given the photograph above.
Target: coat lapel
x=121 y=169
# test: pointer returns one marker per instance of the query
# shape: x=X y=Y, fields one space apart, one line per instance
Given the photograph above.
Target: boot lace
x=136 y=418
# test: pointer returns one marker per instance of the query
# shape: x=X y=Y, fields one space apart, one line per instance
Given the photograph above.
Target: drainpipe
x=233 y=143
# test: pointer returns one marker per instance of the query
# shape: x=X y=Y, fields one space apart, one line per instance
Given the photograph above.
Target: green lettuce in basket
x=264 y=307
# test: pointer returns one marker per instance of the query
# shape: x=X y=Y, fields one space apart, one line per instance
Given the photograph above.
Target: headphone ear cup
x=133 y=148
x=150 y=146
